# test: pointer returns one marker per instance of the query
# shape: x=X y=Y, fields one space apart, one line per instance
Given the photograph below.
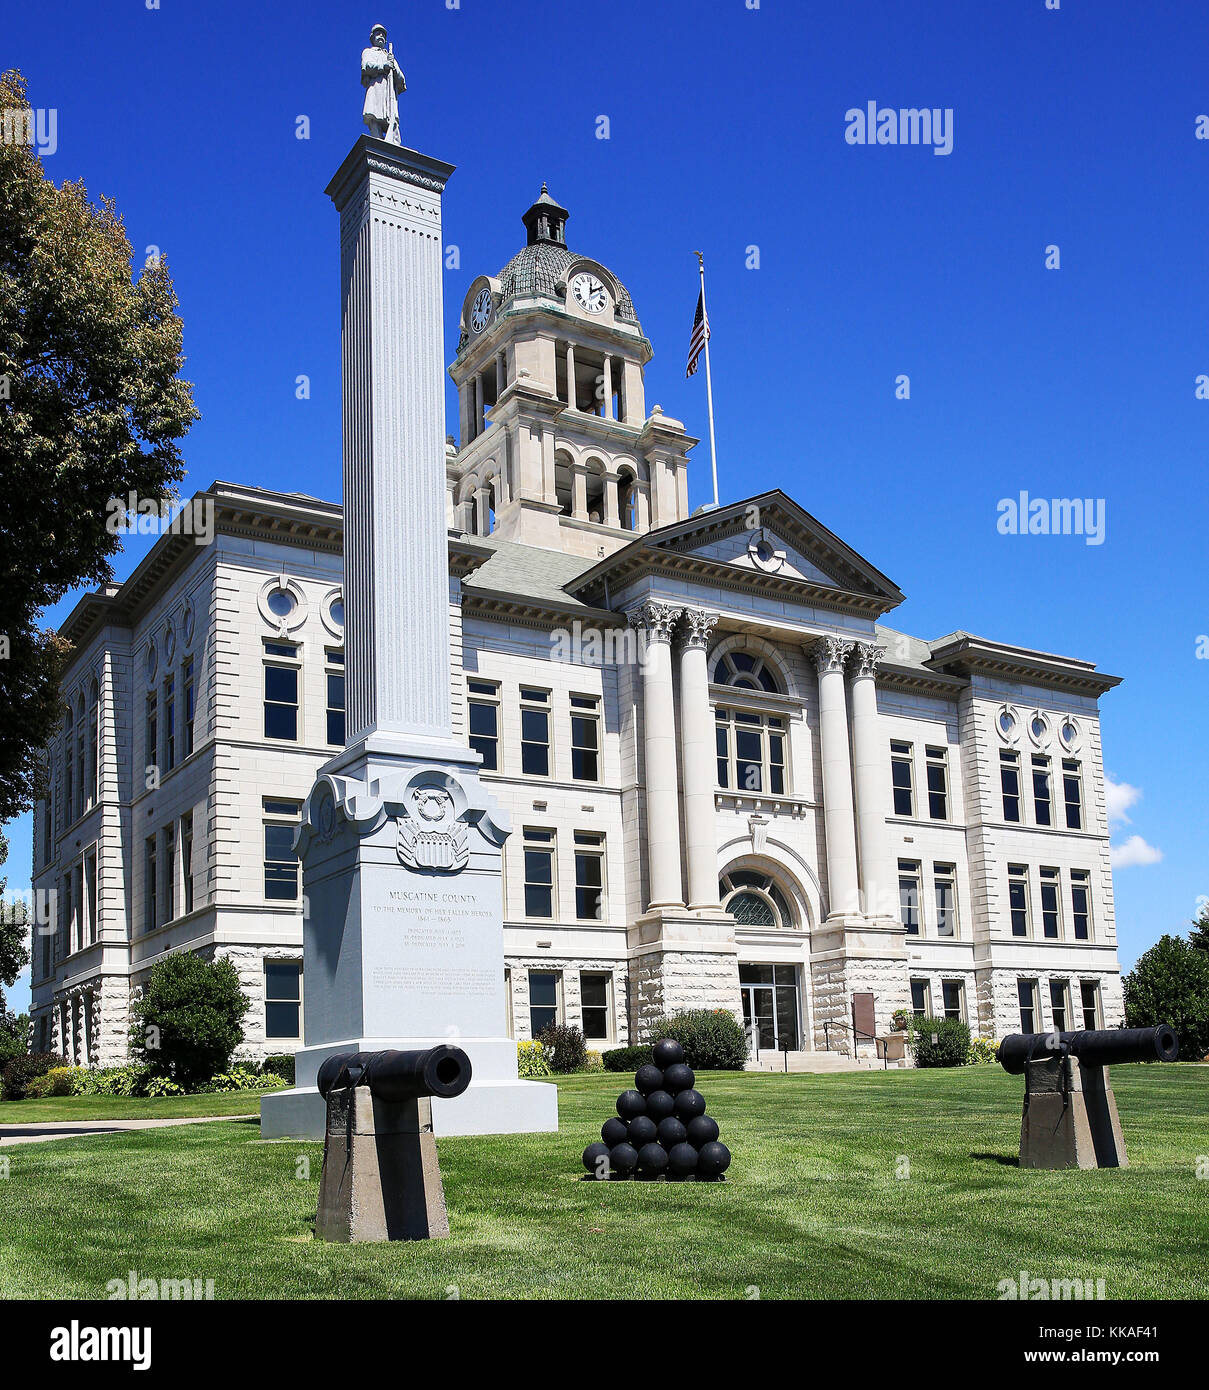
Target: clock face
x=480 y=310
x=589 y=290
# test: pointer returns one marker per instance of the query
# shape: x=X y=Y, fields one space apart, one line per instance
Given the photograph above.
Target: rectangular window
x=152 y=740
x=938 y=783
x=589 y=875
x=187 y=862
x=1009 y=780
x=535 y=732
x=281 y=693
x=1026 y=991
x=282 y=999
x=539 y=872
x=750 y=751
x=335 y=697
x=585 y=738
x=921 y=999
x=1089 y=997
x=908 y=895
x=1072 y=793
x=543 y=1000
x=168 y=869
x=150 y=886
x=1051 y=903
x=170 y=723
x=1058 y=1004
x=189 y=692
x=902 y=778
x=944 y=877
x=954 y=992
x=1018 y=898
x=1080 y=895
x=594 y=993
x=90 y=898
x=1042 y=794
x=484 y=704
x=281 y=867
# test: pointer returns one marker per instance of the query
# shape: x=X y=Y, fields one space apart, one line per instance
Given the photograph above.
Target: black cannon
x=394 y=1076
x=1094 y=1047
x=381 y=1180
x=1070 y=1113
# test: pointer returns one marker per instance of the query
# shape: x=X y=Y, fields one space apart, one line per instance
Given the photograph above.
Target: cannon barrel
x=390 y=1075
x=1100 y=1047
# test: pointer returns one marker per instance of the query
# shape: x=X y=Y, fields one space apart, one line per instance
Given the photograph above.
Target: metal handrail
x=880 y=1048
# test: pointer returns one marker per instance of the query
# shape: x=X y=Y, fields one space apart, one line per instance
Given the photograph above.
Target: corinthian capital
x=697 y=627
x=655 y=619
x=868 y=654
x=830 y=653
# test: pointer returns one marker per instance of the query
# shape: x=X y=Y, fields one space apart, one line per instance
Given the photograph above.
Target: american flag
x=700 y=335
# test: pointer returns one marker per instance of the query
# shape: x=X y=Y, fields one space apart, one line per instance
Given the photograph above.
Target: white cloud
x=1134 y=851
x=1120 y=796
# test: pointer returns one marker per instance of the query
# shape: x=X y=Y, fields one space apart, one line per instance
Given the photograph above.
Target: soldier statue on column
x=383 y=81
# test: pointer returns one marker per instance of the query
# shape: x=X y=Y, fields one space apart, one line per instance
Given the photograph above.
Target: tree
x=1199 y=935
x=91 y=409
x=14 y=1036
x=1170 y=984
x=190 y=1018
x=14 y=928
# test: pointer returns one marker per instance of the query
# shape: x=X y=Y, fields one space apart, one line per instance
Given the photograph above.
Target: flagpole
x=709 y=382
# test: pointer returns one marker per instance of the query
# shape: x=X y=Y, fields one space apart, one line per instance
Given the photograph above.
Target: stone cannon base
x=1070 y=1117
x=380 y=1176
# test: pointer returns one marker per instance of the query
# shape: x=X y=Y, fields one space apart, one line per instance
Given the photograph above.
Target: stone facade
x=731 y=784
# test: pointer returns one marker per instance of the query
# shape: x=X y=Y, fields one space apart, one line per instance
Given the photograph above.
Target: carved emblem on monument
x=432 y=836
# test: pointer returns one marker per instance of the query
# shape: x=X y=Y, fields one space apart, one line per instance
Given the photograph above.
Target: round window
x=153 y=658
x=1007 y=722
x=1038 y=727
x=281 y=603
x=336 y=612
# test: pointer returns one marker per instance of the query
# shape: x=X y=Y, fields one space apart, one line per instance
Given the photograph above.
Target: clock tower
x=557 y=449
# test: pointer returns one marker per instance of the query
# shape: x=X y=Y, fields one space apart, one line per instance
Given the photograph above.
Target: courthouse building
x=731 y=783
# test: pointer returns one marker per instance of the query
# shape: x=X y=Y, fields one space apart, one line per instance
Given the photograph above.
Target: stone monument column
x=698 y=757
x=401 y=845
x=878 y=881
x=830 y=654
x=655 y=622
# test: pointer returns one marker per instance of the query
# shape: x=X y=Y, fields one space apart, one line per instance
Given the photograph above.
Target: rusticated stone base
x=682 y=960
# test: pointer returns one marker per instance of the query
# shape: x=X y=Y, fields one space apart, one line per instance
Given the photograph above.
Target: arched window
x=627 y=500
x=754 y=900
x=563 y=487
x=68 y=789
x=745 y=671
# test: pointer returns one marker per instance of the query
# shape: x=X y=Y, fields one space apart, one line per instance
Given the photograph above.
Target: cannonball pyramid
x=661 y=1129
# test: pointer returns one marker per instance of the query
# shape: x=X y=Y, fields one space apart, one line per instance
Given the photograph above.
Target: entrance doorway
x=770 y=1006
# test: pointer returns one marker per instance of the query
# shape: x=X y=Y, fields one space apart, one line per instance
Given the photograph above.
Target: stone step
x=814 y=1062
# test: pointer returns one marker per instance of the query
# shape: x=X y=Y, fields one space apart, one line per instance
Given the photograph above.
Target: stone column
x=829 y=655
x=610 y=516
x=655 y=622
x=697 y=746
x=571 y=377
x=579 y=492
x=878 y=880
x=608 y=387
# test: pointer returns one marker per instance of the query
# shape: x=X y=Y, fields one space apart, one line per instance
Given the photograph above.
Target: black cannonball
x=671 y=1132
x=652 y=1160
x=629 y=1104
x=677 y=1078
x=648 y=1078
x=615 y=1131
x=702 y=1130
x=667 y=1053
x=682 y=1160
x=641 y=1131
x=623 y=1159
x=713 y=1160
x=688 y=1105
x=596 y=1160
x=659 y=1105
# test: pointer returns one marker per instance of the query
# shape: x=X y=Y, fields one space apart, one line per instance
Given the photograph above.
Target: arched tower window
x=754 y=900
x=627 y=500
x=746 y=671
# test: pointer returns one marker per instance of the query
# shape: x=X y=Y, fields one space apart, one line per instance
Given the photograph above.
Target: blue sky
x=1073 y=127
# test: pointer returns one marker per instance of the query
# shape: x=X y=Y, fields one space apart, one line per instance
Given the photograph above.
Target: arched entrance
x=771 y=991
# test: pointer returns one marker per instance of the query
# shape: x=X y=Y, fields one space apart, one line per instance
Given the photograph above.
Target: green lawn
x=13 y=1112
x=813 y=1207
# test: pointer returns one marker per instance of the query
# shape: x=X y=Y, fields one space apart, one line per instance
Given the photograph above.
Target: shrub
x=242 y=1078
x=280 y=1064
x=713 y=1039
x=189 y=1020
x=626 y=1058
x=593 y=1061
x=952 y=1045
x=20 y=1071
x=983 y=1050
x=531 y=1061
x=270 y=1081
x=59 y=1080
x=110 y=1081
x=563 y=1047
x=161 y=1086
x=1170 y=984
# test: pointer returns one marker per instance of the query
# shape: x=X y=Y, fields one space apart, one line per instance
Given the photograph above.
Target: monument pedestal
x=1070 y=1117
